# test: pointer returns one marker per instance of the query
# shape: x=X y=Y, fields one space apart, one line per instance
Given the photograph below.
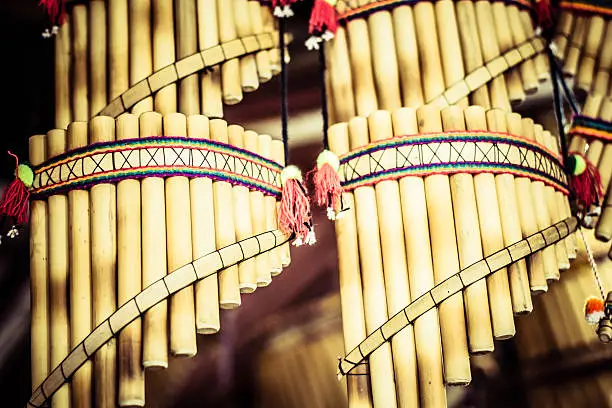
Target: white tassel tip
x=312 y=43
x=595 y=317
x=311 y=239
x=283 y=12
x=331 y=214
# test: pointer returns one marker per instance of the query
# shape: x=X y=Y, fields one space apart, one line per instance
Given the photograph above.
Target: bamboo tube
x=97 y=56
x=576 y=42
x=420 y=274
x=407 y=56
x=353 y=323
x=591 y=108
x=208 y=35
x=384 y=60
x=258 y=215
x=242 y=218
x=510 y=224
x=163 y=53
x=264 y=277
x=154 y=262
x=229 y=291
x=58 y=272
x=472 y=54
x=603 y=232
x=131 y=385
x=103 y=267
x=542 y=204
x=527 y=68
x=140 y=48
x=485 y=191
x=506 y=42
x=366 y=99
x=187 y=44
x=283 y=253
x=63 y=114
x=262 y=58
x=586 y=68
x=450 y=47
x=600 y=153
x=529 y=226
x=179 y=243
x=39 y=291
x=78 y=63
x=490 y=50
x=80 y=271
x=203 y=236
x=564 y=29
x=540 y=61
x=604 y=64
x=118 y=47
x=429 y=52
x=395 y=270
x=230 y=70
x=374 y=298
x=244 y=28
x=269 y=23
x=445 y=262
x=339 y=66
x=469 y=245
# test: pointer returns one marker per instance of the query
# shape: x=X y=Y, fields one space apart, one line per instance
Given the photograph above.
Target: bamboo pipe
x=510 y=224
x=329 y=98
x=429 y=52
x=154 y=261
x=165 y=100
x=118 y=47
x=97 y=56
x=490 y=50
x=244 y=28
x=187 y=44
x=527 y=68
x=450 y=47
x=590 y=52
x=469 y=245
x=180 y=249
x=258 y=215
x=506 y=42
x=563 y=32
x=395 y=270
x=600 y=153
x=230 y=70
x=229 y=291
x=375 y=302
x=203 y=235
x=63 y=114
x=351 y=297
x=445 y=262
x=78 y=63
x=384 y=60
x=591 y=108
x=208 y=35
x=340 y=73
x=472 y=54
x=407 y=57
x=242 y=218
x=39 y=290
x=103 y=268
x=485 y=193
x=540 y=61
x=420 y=274
x=576 y=42
x=264 y=277
x=58 y=272
x=604 y=64
x=603 y=232
x=262 y=58
x=269 y=23
x=80 y=272
x=283 y=252
x=131 y=385
x=360 y=54
x=140 y=48
x=525 y=201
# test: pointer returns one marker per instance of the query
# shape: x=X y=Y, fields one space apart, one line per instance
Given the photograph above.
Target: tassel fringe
x=585 y=181
x=326 y=180
x=56 y=11
x=282 y=8
x=323 y=23
x=294 y=215
x=594 y=310
x=15 y=198
x=544 y=14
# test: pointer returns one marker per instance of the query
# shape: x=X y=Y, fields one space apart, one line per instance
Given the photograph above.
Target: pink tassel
x=15 y=198
x=544 y=14
x=55 y=10
x=323 y=18
x=328 y=189
x=585 y=181
x=294 y=215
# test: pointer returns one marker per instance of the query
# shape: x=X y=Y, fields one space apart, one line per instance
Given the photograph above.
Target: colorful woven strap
x=111 y=162
x=591 y=128
x=449 y=153
x=601 y=7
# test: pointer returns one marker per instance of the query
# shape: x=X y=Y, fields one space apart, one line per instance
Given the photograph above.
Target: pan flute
x=438 y=200
x=391 y=53
x=169 y=56
x=583 y=40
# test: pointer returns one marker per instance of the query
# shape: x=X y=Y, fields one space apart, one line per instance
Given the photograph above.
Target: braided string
x=593 y=265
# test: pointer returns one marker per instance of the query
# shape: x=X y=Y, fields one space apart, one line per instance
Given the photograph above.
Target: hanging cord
x=593 y=265
x=284 y=85
x=324 y=113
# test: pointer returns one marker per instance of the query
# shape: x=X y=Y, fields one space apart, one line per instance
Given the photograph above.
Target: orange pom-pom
x=594 y=310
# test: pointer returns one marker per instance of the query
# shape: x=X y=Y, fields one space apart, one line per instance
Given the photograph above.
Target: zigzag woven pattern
x=111 y=162
x=601 y=7
x=591 y=128
x=449 y=153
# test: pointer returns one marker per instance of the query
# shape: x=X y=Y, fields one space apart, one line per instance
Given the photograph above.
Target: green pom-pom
x=291 y=172
x=330 y=158
x=580 y=165
x=25 y=174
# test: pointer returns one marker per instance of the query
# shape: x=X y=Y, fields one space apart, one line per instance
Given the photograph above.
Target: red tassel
x=323 y=21
x=593 y=310
x=294 y=215
x=55 y=9
x=544 y=14
x=328 y=189
x=585 y=182
x=15 y=198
